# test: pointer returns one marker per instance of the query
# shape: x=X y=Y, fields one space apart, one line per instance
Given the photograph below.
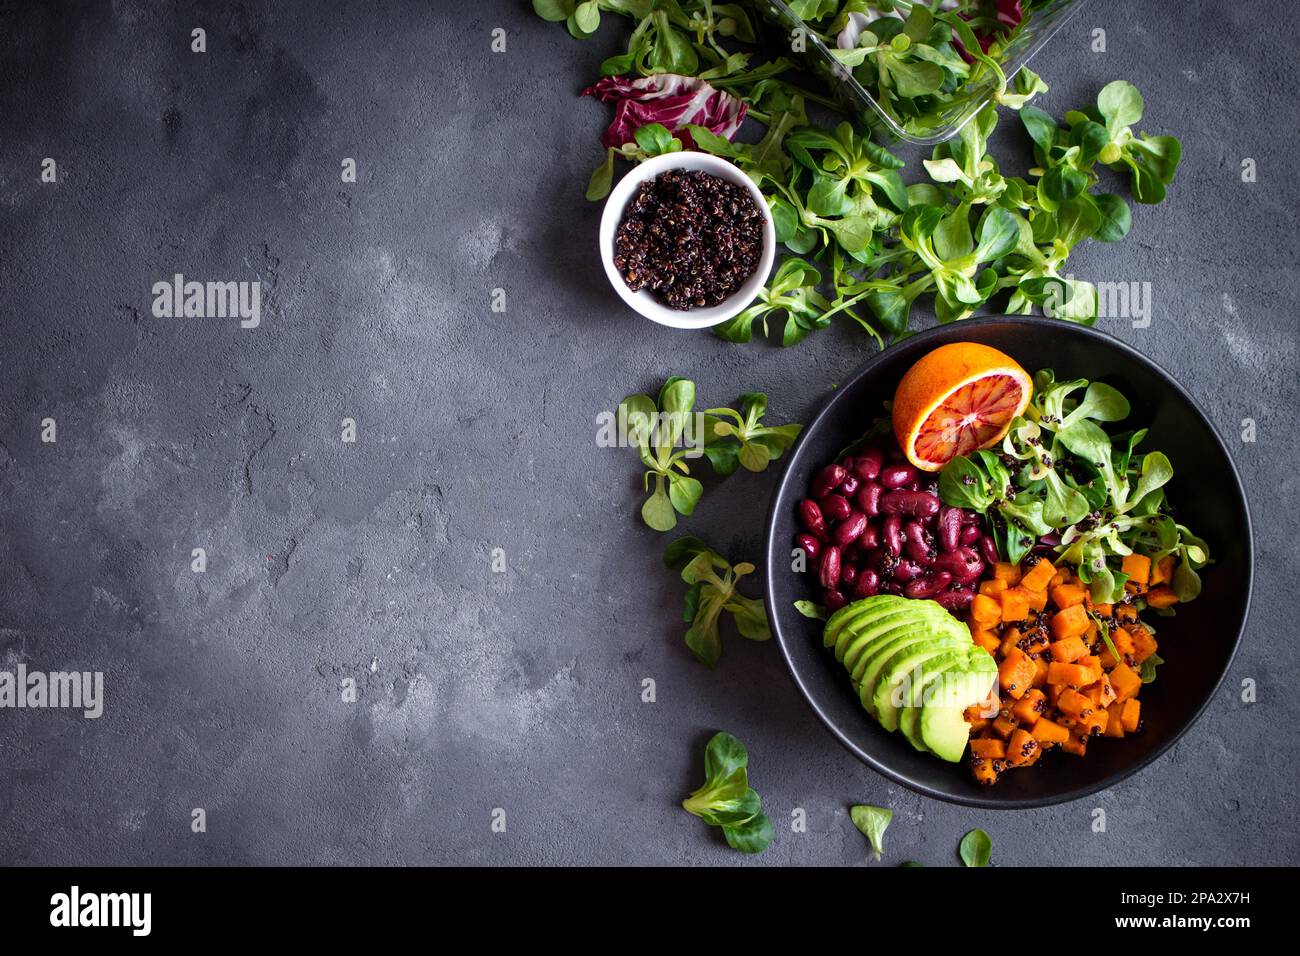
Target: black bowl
x=1198 y=644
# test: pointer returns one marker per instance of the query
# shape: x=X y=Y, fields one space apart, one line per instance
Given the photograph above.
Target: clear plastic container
x=1043 y=22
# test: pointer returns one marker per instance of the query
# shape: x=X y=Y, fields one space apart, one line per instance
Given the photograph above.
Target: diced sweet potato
x=1016 y=673
x=1161 y=597
x=1144 y=643
x=1038 y=577
x=1071 y=675
x=1069 y=650
x=1022 y=748
x=1072 y=622
x=1040 y=672
x=1077 y=745
x=1125 y=681
x=985 y=610
x=1037 y=600
x=991 y=747
x=1067 y=595
x=1007 y=573
x=1094 y=723
x=1075 y=704
x=1114 y=721
x=1131 y=715
x=1030 y=707
x=1015 y=604
x=1101 y=693
x=1049 y=732
x=993 y=587
x=1010 y=639
x=1138 y=568
x=984 y=771
x=1163 y=572
x=987 y=640
x=1004 y=726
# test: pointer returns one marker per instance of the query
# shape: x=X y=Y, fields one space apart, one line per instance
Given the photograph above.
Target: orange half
x=957 y=399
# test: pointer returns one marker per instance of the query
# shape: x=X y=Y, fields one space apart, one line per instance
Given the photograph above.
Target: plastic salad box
x=1043 y=20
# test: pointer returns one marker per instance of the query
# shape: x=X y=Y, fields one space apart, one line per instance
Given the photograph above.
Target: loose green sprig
x=712 y=582
x=740 y=437
x=669 y=432
x=975 y=848
x=872 y=822
x=726 y=799
x=656 y=429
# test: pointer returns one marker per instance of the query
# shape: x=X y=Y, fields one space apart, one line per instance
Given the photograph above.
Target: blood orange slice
x=957 y=399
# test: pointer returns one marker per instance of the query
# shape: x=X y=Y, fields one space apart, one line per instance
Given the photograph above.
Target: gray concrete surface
x=476 y=430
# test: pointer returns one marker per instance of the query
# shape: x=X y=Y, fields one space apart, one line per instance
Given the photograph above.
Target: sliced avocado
x=866 y=670
x=896 y=670
x=942 y=726
x=907 y=610
x=859 y=636
x=935 y=624
x=865 y=609
x=931 y=672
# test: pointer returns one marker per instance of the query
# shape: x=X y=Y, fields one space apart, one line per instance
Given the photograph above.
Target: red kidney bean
x=927 y=586
x=812 y=519
x=835 y=507
x=970 y=517
x=830 y=568
x=849 y=529
x=891 y=587
x=876 y=559
x=905 y=570
x=896 y=476
x=869 y=498
x=988 y=549
x=810 y=546
x=891 y=534
x=955 y=599
x=850 y=485
x=826 y=479
x=867 y=464
x=1052 y=539
x=970 y=533
x=848 y=574
x=833 y=600
x=963 y=564
x=870 y=537
x=851 y=554
x=916 y=503
x=917 y=544
x=949 y=528
x=867 y=584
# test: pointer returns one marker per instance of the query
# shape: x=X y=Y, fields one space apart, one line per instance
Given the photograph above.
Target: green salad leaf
x=1059 y=471
x=872 y=822
x=711 y=590
x=726 y=799
x=975 y=848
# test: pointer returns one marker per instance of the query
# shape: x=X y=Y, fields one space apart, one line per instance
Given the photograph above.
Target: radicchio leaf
x=667 y=98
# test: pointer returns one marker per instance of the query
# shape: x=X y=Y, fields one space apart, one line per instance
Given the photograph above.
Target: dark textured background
x=518 y=690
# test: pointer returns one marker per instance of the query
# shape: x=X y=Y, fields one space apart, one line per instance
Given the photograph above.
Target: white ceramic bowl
x=643 y=301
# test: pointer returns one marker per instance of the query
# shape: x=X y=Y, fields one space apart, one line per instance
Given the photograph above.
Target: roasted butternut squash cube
x=1125 y=681
x=1015 y=604
x=1131 y=715
x=1022 y=748
x=1138 y=568
x=1072 y=622
x=1039 y=576
x=1016 y=673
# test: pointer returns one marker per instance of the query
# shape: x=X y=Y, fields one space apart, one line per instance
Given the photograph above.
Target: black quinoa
x=690 y=238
